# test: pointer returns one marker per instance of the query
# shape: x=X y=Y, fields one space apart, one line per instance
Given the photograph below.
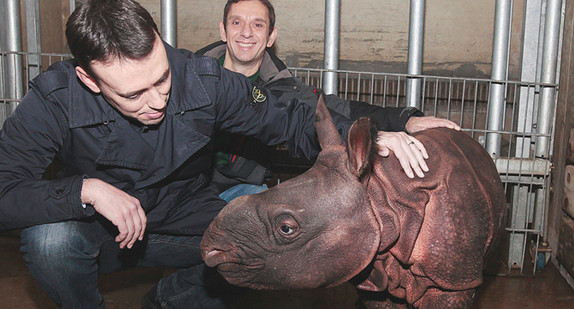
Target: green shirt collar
x=251 y=78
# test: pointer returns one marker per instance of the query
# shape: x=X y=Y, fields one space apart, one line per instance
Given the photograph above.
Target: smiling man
x=247 y=33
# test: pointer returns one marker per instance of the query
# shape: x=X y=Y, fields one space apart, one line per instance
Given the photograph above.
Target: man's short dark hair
x=267 y=4
x=103 y=30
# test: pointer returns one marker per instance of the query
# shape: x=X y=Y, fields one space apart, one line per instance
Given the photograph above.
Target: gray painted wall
x=374 y=33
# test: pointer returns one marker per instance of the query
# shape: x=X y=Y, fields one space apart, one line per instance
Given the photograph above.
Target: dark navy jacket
x=60 y=118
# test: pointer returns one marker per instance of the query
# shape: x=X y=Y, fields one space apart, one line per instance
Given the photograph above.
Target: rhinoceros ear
x=326 y=130
x=360 y=143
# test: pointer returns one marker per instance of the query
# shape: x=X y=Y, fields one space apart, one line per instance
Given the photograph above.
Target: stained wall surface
x=374 y=33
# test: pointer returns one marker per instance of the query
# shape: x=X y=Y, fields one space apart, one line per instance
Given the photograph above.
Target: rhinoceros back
x=449 y=218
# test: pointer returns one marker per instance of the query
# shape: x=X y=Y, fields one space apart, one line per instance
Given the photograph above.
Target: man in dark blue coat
x=131 y=119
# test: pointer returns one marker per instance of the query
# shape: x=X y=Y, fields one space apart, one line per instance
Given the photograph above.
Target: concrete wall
x=374 y=33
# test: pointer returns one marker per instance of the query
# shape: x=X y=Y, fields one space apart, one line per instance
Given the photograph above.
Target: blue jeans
x=65 y=259
x=240 y=190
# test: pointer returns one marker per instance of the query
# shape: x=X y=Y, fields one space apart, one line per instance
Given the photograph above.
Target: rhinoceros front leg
x=435 y=298
x=378 y=300
x=432 y=299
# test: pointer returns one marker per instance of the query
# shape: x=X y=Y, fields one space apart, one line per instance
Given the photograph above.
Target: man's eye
x=161 y=82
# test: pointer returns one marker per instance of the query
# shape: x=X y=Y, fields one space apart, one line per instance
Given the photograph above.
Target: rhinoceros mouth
x=228 y=269
x=240 y=274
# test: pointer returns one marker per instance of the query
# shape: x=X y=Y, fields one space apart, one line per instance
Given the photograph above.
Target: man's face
x=138 y=89
x=246 y=32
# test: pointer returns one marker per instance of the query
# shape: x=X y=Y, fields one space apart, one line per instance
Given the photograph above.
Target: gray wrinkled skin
x=356 y=216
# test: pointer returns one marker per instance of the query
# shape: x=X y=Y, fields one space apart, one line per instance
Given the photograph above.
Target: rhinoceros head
x=315 y=230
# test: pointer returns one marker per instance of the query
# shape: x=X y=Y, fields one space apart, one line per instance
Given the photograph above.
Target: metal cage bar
x=415 y=59
x=169 y=22
x=332 y=29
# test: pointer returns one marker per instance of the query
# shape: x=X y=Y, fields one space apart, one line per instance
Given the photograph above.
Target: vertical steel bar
x=385 y=87
x=346 y=85
x=332 y=31
x=436 y=89
x=72 y=6
x=14 y=62
x=500 y=49
x=358 y=98
x=398 y=96
x=462 y=102
x=372 y=89
x=550 y=52
x=423 y=96
x=3 y=78
x=34 y=63
x=530 y=72
x=475 y=107
x=3 y=24
x=415 y=62
x=551 y=56
x=169 y=22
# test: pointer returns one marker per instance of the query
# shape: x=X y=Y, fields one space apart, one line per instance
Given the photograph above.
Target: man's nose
x=246 y=31
x=155 y=99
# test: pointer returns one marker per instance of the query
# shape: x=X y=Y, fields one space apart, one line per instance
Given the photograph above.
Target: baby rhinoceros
x=355 y=216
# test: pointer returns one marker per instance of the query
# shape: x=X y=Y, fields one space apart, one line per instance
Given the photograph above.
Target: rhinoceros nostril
x=215 y=257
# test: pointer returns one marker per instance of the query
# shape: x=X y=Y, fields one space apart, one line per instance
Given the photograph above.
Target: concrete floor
x=547 y=289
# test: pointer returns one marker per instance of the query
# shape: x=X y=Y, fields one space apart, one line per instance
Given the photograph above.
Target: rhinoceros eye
x=286 y=230
x=287 y=226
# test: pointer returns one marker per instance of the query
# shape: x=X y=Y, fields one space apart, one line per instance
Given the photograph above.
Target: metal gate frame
x=514 y=120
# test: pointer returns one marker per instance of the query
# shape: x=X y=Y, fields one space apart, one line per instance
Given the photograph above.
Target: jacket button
x=59 y=191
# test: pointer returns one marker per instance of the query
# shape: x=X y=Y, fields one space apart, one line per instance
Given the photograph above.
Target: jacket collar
x=87 y=108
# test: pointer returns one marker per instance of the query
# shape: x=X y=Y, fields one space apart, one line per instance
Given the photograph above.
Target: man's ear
x=272 y=37
x=222 y=32
x=87 y=79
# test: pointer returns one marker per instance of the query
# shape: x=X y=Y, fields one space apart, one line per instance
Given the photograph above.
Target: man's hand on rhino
x=410 y=152
x=416 y=124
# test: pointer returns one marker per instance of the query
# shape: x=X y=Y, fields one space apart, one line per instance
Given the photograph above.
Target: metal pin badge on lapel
x=258 y=96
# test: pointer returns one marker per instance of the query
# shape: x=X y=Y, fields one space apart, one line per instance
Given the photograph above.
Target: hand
x=122 y=209
x=416 y=124
x=410 y=152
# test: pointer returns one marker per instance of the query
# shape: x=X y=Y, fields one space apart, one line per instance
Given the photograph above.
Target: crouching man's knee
x=62 y=258
x=55 y=246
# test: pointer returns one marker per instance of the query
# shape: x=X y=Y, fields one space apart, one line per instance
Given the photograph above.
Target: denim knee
x=62 y=258
x=55 y=245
